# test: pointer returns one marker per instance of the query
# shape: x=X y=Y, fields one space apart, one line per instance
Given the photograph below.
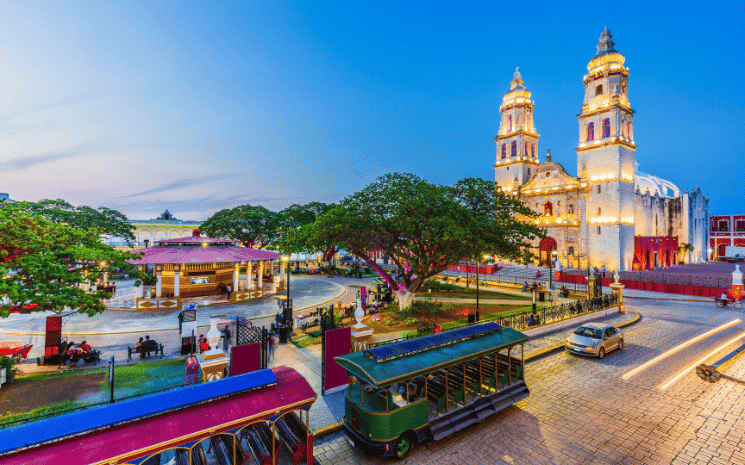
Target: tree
x=426 y=228
x=687 y=246
x=295 y=232
x=249 y=225
x=47 y=263
x=105 y=220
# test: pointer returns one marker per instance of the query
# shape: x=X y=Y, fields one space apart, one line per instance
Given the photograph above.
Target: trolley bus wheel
x=404 y=445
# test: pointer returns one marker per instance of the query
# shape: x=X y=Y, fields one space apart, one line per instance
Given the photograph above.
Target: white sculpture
x=737 y=276
x=616 y=277
x=359 y=314
x=213 y=337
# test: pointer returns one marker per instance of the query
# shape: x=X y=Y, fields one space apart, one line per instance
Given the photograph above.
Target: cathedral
x=611 y=213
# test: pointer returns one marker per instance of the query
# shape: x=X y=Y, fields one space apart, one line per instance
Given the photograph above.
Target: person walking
x=226 y=336
x=269 y=349
x=230 y=290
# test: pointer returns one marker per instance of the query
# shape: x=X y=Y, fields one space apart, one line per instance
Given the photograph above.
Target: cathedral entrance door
x=547 y=245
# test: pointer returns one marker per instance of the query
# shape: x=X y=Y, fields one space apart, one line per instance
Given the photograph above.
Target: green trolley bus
x=426 y=388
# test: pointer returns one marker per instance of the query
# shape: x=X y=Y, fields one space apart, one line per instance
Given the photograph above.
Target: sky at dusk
x=195 y=107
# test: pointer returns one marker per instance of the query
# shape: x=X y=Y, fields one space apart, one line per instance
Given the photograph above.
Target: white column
x=261 y=275
x=141 y=287
x=249 y=275
x=236 y=271
x=159 y=276
x=282 y=271
x=176 y=278
x=106 y=276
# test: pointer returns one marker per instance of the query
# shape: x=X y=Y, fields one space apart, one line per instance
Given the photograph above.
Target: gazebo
x=200 y=266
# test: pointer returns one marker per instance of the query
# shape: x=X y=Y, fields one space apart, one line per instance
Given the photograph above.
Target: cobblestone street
x=581 y=411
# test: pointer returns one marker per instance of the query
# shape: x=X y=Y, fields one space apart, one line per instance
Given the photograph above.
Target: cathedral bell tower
x=605 y=158
x=517 y=140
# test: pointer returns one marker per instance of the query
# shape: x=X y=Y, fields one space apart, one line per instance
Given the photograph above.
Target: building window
x=528 y=171
x=532 y=150
x=571 y=210
x=599 y=90
x=598 y=229
x=526 y=150
x=590 y=131
x=606 y=127
x=570 y=251
x=510 y=123
x=513 y=148
x=598 y=189
x=598 y=211
x=508 y=168
x=740 y=225
x=723 y=226
x=504 y=151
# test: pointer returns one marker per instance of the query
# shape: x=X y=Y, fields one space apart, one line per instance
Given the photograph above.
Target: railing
x=544 y=316
x=496 y=278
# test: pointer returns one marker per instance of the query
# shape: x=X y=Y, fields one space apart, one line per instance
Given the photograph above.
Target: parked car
x=594 y=339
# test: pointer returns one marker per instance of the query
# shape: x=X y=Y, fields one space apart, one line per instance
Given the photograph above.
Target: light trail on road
x=678 y=348
x=698 y=362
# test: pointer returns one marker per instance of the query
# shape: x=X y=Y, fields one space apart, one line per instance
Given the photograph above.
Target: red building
x=723 y=231
x=654 y=252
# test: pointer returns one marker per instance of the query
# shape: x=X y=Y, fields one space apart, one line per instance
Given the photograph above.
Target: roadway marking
x=702 y=360
x=678 y=348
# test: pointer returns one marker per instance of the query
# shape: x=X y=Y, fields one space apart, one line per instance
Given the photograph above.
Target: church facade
x=610 y=213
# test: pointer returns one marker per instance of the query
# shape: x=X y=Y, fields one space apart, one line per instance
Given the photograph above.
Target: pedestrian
x=525 y=286
x=230 y=290
x=270 y=348
x=226 y=335
x=204 y=346
x=138 y=348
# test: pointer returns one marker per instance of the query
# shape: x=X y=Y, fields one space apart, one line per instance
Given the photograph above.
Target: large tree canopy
x=47 y=262
x=249 y=225
x=295 y=231
x=105 y=220
x=426 y=228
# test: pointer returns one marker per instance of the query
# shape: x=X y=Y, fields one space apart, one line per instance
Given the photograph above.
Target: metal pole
x=111 y=377
x=468 y=262
x=477 y=302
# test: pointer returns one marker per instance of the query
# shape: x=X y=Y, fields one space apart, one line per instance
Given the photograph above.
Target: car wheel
x=601 y=354
x=403 y=446
x=620 y=344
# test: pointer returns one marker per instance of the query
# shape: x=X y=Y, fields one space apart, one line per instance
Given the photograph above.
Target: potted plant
x=8 y=365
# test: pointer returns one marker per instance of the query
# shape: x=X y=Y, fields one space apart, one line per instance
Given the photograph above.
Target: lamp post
x=468 y=263
x=286 y=259
x=551 y=259
x=478 y=263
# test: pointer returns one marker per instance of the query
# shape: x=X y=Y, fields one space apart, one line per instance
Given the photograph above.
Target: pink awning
x=209 y=254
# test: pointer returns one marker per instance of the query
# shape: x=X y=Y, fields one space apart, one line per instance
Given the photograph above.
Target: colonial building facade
x=610 y=213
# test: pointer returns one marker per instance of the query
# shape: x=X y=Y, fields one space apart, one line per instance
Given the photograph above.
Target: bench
x=293 y=435
x=259 y=438
x=146 y=351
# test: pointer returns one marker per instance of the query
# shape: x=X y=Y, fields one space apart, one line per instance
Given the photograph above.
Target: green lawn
x=54 y=408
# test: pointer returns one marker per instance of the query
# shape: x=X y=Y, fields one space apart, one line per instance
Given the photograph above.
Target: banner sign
x=336 y=342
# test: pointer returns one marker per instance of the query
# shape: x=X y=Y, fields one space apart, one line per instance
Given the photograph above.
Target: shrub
x=389 y=322
x=411 y=321
x=9 y=365
x=419 y=307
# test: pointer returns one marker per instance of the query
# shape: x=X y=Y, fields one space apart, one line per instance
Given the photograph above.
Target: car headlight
x=590 y=348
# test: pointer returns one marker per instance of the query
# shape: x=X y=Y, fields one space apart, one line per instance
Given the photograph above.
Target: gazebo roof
x=193 y=240
x=163 y=255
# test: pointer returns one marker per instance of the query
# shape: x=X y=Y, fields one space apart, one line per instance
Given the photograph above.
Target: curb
x=550 y=350
x=709 y=299
x=326 y=430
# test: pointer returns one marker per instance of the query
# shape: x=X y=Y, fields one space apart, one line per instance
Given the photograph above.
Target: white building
x=610 y=213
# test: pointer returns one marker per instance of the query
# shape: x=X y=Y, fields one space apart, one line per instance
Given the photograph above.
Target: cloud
x=16 y=164
x=185 y=183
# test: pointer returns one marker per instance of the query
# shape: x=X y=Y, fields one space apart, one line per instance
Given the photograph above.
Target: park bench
x=293 y=435
x=146 y=350
x=259 y=438
x=436 y=393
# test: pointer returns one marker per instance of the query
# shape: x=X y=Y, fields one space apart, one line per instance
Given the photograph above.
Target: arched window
x=548 y=208
x=513 y=151
x=570 y=209
x=526 y=150
x=598 y=211
x=504 y=151
x=532 y=150
x=606 y=127
x=591 y=131
x=510 y=123
x=623 y=128
x=599 y=90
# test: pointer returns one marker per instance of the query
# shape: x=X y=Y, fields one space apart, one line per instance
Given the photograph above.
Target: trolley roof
x=408 y=364
x=102 y=433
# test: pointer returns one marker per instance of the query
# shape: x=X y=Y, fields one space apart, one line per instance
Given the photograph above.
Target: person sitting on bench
x=148 y=345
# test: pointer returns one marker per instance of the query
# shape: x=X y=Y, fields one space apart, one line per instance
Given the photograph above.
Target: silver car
x=595 y=339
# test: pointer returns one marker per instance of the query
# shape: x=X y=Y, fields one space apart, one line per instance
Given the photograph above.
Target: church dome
x=646 y=183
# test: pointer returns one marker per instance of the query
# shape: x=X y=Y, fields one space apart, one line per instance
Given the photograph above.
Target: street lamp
x=286 y=259
x=551 y=259
x=478 y=262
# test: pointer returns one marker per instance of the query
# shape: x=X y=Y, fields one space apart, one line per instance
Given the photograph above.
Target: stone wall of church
x=650 y=216
x=698 y=224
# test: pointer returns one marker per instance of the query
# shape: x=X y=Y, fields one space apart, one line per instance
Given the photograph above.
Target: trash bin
x=471 y=319
x=284 y=331
x=541 y=296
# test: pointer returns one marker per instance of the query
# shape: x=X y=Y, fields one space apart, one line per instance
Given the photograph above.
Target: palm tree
x=687 y=246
